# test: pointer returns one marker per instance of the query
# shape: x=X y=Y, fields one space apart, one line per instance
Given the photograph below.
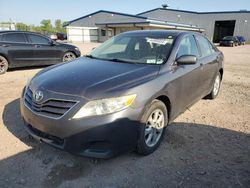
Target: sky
x=33 y=11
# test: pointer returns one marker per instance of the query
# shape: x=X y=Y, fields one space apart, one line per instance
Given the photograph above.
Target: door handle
x=37 y=46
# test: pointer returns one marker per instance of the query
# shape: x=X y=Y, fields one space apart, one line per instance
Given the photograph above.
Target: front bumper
x=98 y=137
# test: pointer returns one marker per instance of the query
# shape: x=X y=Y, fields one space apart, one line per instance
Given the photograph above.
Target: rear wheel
x=4 y=65
x=68 y=56
x=152 y=131
x=216 y=87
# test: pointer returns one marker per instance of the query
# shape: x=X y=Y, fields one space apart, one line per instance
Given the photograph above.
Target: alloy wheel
x=216 y=85
x=69 y=56
x=154 y=127
x=3 y=65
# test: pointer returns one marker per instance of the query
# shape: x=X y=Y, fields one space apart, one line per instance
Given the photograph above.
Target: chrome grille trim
x=51 y=108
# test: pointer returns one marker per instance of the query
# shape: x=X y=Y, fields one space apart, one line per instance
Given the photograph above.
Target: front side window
x=188 y=47
x=135 y=49
x=204 y=46
x=14 y=37
x=36 y=39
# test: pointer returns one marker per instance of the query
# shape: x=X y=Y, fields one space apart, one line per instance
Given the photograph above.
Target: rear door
x=45 y=52
x=17 y=48
x=209 y=63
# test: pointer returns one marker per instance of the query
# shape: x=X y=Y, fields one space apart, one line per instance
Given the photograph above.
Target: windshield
x=135 y=49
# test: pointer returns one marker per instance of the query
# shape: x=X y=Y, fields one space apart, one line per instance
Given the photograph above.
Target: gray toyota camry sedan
x=121 y=96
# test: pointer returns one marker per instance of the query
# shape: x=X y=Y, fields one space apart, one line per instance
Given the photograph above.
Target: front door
x=187 y=78
x=45 y=52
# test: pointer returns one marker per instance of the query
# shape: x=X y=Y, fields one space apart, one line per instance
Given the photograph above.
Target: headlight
x=77 y=49
x=105 y=106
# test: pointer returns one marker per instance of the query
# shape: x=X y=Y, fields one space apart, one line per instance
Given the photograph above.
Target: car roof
x=174 y=33
x=18 y=31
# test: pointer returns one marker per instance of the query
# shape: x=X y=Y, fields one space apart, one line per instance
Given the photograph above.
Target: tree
x=59 y=26
x=22 y=27
x=46 y=26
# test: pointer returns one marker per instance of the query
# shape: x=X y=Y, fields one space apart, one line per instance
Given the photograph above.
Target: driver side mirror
x=186 y=60
x=52 y=43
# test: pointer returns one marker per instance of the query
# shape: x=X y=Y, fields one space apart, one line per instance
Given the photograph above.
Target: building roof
x=151 y=23
x=194 y=12
x=105 y=11
x=144 y=20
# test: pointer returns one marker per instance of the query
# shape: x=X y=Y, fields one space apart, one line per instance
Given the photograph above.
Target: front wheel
x=216 y=87
x=4 y=65
x=68 y=56
x=153 y=126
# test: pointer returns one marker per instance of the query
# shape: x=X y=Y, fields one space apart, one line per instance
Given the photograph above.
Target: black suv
x=229 y=41
x=22 y=49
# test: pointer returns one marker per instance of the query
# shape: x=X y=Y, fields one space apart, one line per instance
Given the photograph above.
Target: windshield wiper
x=120 y=61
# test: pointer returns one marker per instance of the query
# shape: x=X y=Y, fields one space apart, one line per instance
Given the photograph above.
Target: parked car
x=61 y=36
x=123 y=94
x=229 y=41
x=58 y=36
x=242 y=40
x=23 y=49
x=53 y=36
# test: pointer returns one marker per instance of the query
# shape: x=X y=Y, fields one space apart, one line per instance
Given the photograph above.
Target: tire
x=4 y=65
x=68 y=56
x=150 y=137
x=216 y=88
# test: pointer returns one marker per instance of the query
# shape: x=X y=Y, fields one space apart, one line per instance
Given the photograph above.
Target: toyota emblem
x=38 y=96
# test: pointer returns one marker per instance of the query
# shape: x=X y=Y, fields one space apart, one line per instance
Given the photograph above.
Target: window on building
x=103 y=32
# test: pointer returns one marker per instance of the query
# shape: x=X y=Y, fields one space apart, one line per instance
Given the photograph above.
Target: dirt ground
x=207 y=146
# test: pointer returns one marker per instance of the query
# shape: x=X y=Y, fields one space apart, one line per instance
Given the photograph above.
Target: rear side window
x=36 y=39
x=14 y=37
x=188 y=47
x=205 y=46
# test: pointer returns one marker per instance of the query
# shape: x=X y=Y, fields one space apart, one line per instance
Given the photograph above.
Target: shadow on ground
x=191 y=155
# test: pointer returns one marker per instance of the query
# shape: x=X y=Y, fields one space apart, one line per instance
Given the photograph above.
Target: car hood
x=66 y=45
x=92 y=78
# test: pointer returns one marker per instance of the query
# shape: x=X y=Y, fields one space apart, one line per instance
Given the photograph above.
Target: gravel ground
x=207 y=146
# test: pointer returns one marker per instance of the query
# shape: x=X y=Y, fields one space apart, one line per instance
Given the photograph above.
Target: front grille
x=54 y=108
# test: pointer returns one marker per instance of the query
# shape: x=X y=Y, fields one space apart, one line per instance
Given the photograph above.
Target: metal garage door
x=82 y=34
